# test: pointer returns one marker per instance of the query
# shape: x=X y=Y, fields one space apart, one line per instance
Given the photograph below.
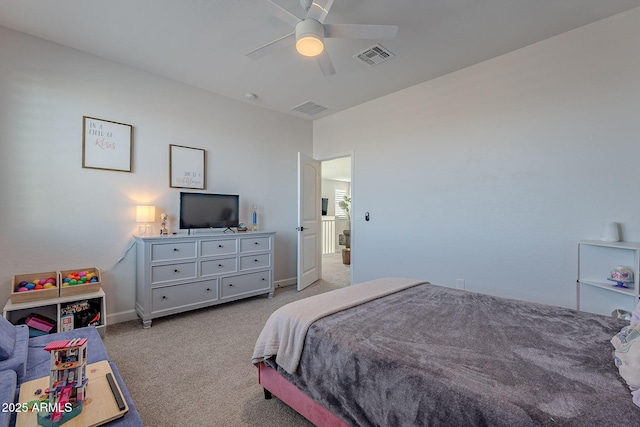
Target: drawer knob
x=220 y=246
x=230 y=285
x=176 y=250
x=256 y=243
x=256 y=260
x=208 y=289
x=164 y=297
x=176 y=271
x=220 y=265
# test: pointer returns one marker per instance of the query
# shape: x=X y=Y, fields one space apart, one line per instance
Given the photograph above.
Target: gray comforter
x=433 y=356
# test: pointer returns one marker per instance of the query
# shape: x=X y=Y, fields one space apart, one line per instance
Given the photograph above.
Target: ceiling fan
x=311 y=31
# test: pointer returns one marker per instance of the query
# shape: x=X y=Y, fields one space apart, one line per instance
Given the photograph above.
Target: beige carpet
x=194 y=369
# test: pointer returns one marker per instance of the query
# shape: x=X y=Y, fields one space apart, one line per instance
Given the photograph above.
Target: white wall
x=492 y=174
x=56 y=215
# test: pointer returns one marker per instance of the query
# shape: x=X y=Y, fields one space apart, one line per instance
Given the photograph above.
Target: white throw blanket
x=284 y=333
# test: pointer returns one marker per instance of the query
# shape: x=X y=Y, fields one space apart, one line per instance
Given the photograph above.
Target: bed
x=394 y=352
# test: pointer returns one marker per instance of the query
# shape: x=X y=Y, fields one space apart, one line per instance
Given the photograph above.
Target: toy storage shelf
x=52 y=308
x=596 y=294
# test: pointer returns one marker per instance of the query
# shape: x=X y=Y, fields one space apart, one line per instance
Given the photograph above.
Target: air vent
x=309 y=108
x=374 y=55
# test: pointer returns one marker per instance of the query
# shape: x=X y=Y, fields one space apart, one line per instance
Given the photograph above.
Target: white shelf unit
x=596 y=259
x=50 y=308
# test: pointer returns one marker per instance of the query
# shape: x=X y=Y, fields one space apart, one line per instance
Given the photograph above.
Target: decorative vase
x=347 y=238
x=610 y=232
x=346 y=256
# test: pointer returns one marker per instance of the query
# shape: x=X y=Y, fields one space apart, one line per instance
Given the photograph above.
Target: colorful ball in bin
x=80 y=278
x=35 y=284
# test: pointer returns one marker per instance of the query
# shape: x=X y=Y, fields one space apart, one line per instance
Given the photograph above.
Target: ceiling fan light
x=309 y=45
x=309 y=37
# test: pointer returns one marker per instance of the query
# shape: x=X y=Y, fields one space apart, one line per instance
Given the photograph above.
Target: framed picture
x=186 y=167
x=106 y=145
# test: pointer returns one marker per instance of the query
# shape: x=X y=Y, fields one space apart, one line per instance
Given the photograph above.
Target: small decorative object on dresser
x=163 y=230
x=254 y=217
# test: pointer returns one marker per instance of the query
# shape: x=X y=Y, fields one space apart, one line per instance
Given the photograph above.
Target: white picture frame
x=186 y=167
x=106 y=145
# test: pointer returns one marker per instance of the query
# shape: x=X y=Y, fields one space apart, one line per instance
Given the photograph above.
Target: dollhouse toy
x=67 y=381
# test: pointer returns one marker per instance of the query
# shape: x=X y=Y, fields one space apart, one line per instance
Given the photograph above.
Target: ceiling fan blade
x=279 y=12
x=268 y=48
x=324 y=62
x=319 y=10
x=357 y=31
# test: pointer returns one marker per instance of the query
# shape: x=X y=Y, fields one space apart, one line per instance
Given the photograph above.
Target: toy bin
x=37 y=281
x=71 y=285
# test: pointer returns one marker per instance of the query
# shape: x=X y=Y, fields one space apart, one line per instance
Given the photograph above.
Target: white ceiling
x=203 y=42
x=337 y=169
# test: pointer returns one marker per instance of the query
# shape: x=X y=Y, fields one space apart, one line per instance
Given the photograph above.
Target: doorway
x=335 y=184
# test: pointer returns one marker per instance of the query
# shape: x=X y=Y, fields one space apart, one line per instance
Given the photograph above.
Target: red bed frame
x=276 y=384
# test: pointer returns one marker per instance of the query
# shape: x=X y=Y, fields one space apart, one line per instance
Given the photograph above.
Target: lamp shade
x=145 y=213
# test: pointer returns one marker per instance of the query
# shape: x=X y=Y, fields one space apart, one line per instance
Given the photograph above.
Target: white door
x=309 y=217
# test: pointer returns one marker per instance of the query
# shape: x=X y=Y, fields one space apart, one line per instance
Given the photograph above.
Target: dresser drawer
x=245 y=283
x=253 y=244
x=249 y=262
x=171 y=297
x=218 y=247
x=171 y=272
x=172 y=251
x=218 y=266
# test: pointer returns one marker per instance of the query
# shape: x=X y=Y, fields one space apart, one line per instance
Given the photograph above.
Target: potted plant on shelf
x=346 y=253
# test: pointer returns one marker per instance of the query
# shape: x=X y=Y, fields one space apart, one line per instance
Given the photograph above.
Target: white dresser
x=181 y=273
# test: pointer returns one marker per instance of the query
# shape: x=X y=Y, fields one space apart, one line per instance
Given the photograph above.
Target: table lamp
x=145 y=214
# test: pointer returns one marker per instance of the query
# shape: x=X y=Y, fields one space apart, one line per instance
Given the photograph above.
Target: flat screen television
x=205 y=210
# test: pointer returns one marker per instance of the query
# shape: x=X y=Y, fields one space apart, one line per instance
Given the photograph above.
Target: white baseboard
x=123 y=316
x=285 y=282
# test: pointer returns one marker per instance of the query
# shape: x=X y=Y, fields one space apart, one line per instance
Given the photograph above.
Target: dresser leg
x=267 y=394
x=270 y=295
x=146 y=324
